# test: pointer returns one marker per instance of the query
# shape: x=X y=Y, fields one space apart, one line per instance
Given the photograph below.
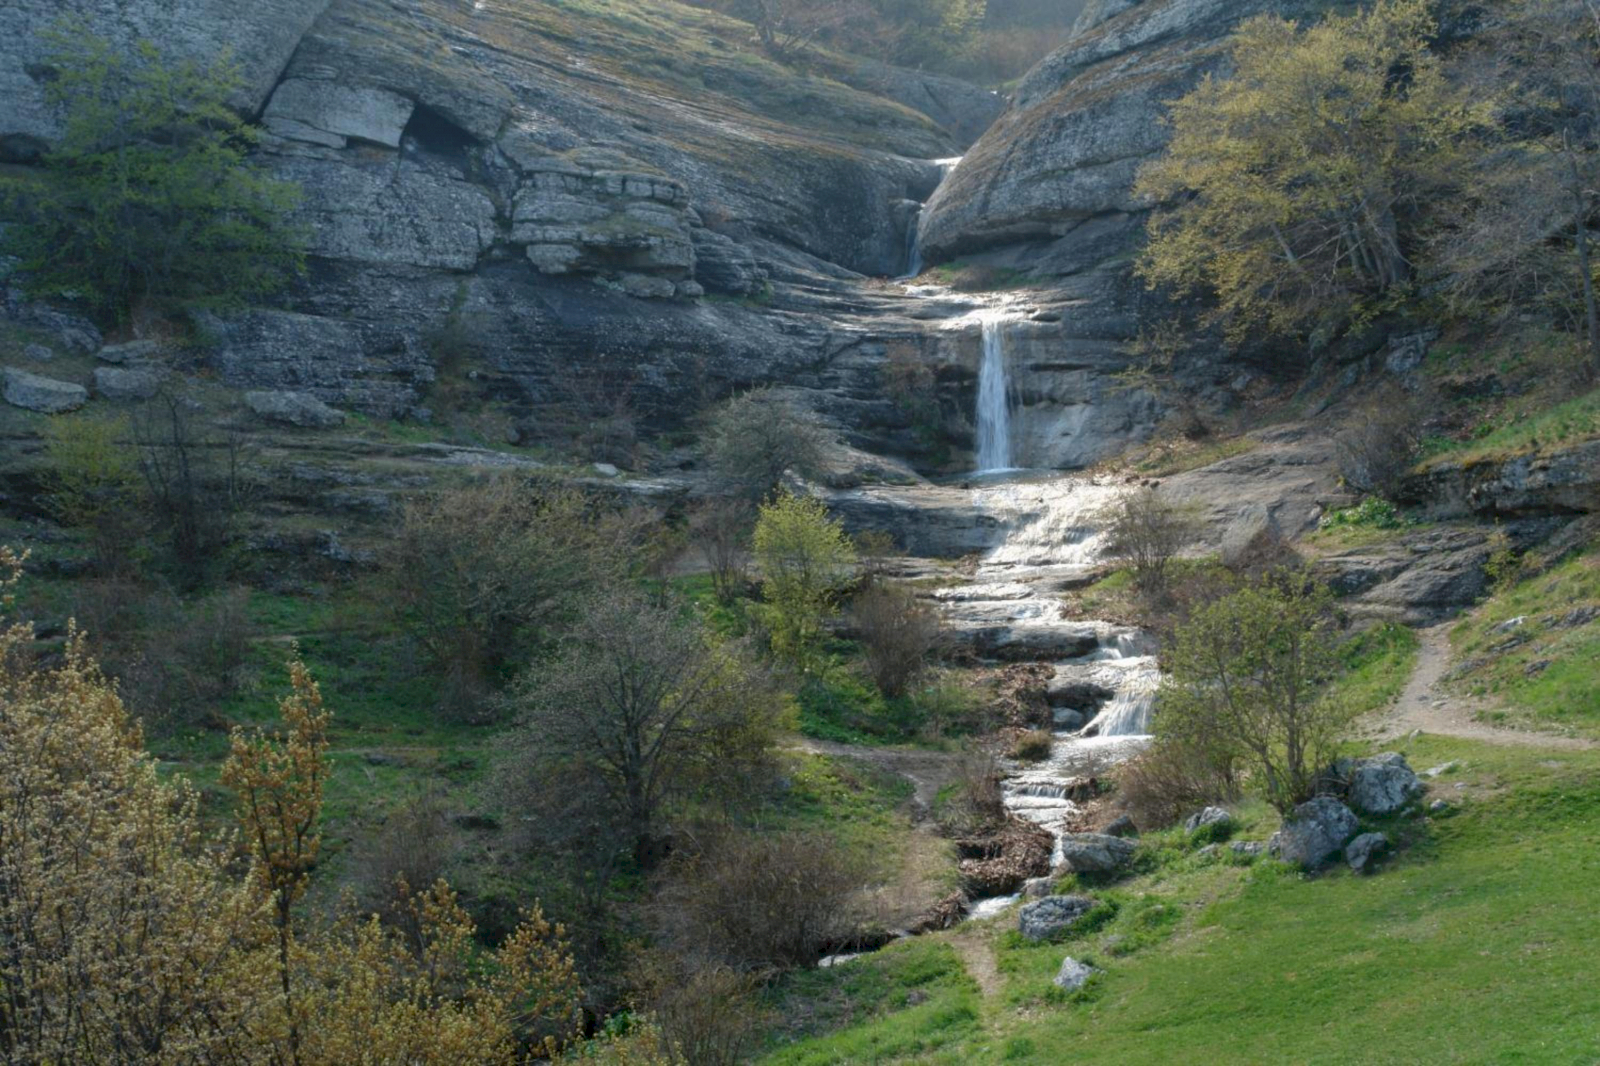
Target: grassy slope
x=1541 y=671
x=1476 y=944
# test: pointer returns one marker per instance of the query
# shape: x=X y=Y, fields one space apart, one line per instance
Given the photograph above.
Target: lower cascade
x=994 y=400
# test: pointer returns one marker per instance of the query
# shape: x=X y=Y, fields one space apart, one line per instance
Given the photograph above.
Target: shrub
x=805 y=559
x=1170 y=780
x=1031 y=745
x=151 y=198
x=1145 y=532
x=1379 y=448
x=195 y=483
x=708 y=1015
x=720 y=528
x=1373 y=512
x=761 y=901
x=977 y=804
x=1246 y=685
x=897 y=632
x=757 y=438
x=485 y=575
x=643 y=707
x=94 y=485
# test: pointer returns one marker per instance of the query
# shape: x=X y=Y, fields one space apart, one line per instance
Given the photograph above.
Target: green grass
x=1541 y=672
x=1523 y=431
x=1485 y=915
x=909 y=999
x=1378 y=662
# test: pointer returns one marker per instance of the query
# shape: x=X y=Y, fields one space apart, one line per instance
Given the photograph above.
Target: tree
x=1521 y=232
x=898 y=631
x=1145 y=532
x=639 y=709
x=1295 y=188
x=486 y=574
x=757 y=438
x=127 y=934
x=1246 y=685
x=721 y=529
x=149 y=197
x=805 y=559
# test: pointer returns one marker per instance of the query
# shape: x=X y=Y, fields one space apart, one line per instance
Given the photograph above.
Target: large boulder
x=1044 y=918
x=126 y=384
x=45 y=395
x=1314 y=832
x=1096 y=853
x=1382 y=784
x=294 y=409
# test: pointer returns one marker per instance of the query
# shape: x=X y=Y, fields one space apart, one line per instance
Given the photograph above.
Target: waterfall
x=994 y=401
x=913 y=250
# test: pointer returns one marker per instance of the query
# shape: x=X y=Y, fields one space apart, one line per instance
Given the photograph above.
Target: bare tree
x=787 y=26
x=643 y=709
x=1145 y=532
x=898 y=631
x=720 y=528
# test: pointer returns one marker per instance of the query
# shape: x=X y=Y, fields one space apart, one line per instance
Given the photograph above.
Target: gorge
x=776 y=559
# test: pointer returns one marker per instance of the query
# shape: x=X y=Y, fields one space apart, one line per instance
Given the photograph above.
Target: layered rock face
x=1054 y=177
x=562 y=186
x=261 y=36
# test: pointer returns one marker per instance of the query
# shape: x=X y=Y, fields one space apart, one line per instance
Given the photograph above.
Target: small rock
x=1045 y=918
x=1361 y=851
x=38 y=353
x=1122 y=826
x=42 y=394
x=122 y=385
x=1438 y=806
x=1249 y=848
x=1037 y=887
x=1509 y=624
x=1316 y=830
x=1382 y=784
x=1208 y=817
x=131 y=352
x=1442 y=768
x=1073 y=974
x=1580 y=617
x=1538 y=666
x=293 y=408
x=607 y=470
x=1210 y=851
x=1095 y=853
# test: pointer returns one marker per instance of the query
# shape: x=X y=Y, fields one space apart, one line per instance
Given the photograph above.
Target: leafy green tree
x=757 y=438
x=805 y=560
x=149 y=198
x=1295 y=187
x=1247 y=685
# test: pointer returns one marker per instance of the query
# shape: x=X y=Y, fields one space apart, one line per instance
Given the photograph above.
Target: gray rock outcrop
x=37 y=393
x=1073 y=974
x=1096 y=853
x=1206 y=818
x=1360 y=852
x=1381 y=784
x=1315 y=831
x=294 y=409
x=126 y=384
x=1045 y=918
x=260 y=36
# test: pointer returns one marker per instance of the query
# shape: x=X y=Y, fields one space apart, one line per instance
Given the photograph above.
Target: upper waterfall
x=994 y=400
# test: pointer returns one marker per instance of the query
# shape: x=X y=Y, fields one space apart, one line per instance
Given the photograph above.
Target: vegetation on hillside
x=148 y=200
x=1348 y=169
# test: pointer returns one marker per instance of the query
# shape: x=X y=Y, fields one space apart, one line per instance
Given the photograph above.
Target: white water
x=994 y=400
